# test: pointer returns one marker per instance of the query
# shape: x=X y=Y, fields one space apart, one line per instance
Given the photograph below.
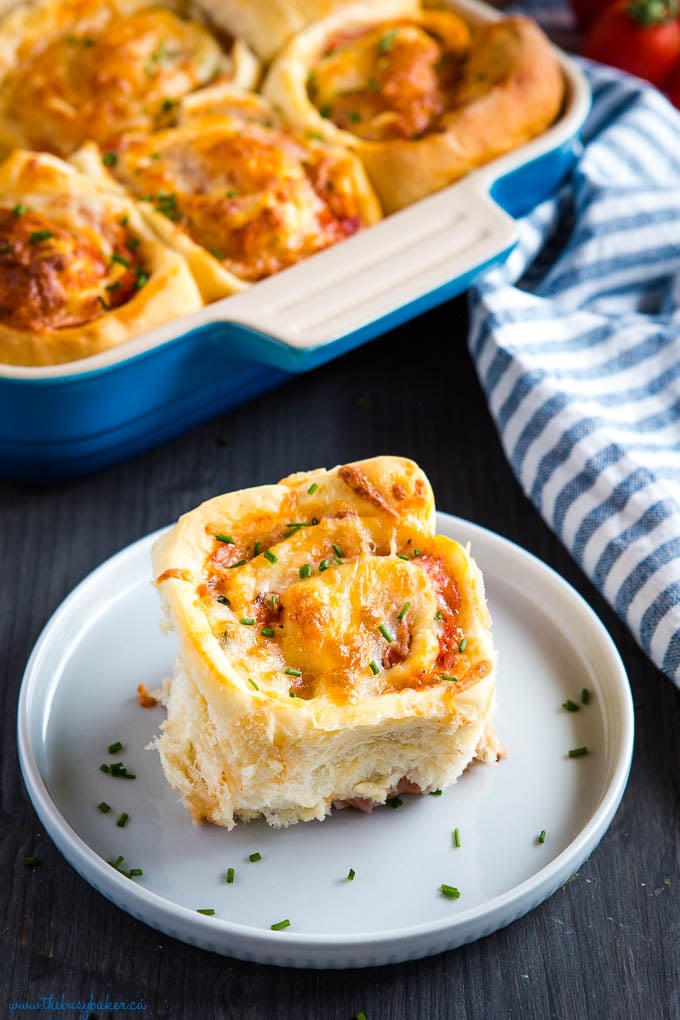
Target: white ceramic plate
x=78 y=697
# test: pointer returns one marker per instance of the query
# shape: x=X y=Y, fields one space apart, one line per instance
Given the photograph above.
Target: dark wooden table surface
x=606 y=945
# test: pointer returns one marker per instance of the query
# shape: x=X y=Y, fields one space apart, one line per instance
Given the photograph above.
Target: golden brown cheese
x=84 y=70
x=393 y=80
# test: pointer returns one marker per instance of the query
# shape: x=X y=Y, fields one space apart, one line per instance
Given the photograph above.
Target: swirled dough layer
x=333 y=649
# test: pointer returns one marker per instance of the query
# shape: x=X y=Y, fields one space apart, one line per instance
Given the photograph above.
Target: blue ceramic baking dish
x=67 y=420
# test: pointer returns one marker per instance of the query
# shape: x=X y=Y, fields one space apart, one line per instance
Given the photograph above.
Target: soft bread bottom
x=290 y=781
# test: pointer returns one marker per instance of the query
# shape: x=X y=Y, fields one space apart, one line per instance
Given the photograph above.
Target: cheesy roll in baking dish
x=79 y=269
x=77 y=69
x=236 y=195
x=422 y=100
x=332 y=649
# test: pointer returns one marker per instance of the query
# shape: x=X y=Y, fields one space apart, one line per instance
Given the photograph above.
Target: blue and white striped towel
x=576 y=339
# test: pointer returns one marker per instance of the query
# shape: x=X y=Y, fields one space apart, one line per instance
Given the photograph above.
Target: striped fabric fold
x=576 y=341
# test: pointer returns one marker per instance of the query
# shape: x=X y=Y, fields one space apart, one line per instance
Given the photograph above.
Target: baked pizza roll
x=79 y=269
x=422 y=100
x=332 y=648
x=267 y=24
x=236 y=195
x=77 y=69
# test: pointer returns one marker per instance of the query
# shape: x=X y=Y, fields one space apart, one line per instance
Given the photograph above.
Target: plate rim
x=326 y=950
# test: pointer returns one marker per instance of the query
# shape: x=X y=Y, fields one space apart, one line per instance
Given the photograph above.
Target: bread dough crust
x=77 y=69
x=237 y=196
x=430 y=104
x=332 y=647
x=80 y=271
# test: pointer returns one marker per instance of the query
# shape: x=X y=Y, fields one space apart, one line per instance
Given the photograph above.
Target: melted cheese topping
x=340 y=608
x=394 y=80
x=56 y=277
x=97 y=84
x=252 y=196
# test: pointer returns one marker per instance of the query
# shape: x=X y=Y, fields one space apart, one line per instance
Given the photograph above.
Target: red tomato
x=639 y=36
x=672 y=87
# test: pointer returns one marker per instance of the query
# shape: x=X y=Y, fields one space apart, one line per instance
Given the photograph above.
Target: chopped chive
x=541 y=836
x=253 y=684
x=570 y=706
x=273 y=600
x=117 y=863
x=301 y=524
x=19 y=209
x=326 y=110
x=104 y=807
x=239 y=564
x=450 y=891
x=116 y=285
x=230 y=876
x=456 y=837
x=280 y=924
x=374 y=667
x=114 y=748
x=227 y=539
x=417 y=552
x=436 y=793
x=312 y=489
x=463 y=645
x=305 y=570
x=208 y=911
x=373 y=85
x=128 y=775
x=292 y=672
x=257 y=548
x=403 y=556
x=336 y=559
x=40 y=235
x=255 y=857
x=31 y=862
x=450 y=679
x=223 y=600
x=6 y=249
x=350 y=875
x=404 y=610
x=267 y=632
x=270 y=556
x=354 y=117
x=386 y=41
x=324 y=565
x=439 y=616
x=585 y=696
x=122 y=821
x=292 y=694
x=385 y=633
x=395 y=802
x=110 y=158
x=104 y=768
x=247 y=621
x=578 y=752
x=337 y=550
x=135 y=872
x=120 y=259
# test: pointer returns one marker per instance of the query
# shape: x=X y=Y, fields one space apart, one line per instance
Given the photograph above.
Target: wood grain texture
x=606 y=945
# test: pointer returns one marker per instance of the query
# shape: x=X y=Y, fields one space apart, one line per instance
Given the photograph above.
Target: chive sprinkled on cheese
x=305 y=570
x=374 y=667
x=404 y=610
x=403 y=556
x=386 y=633
x=324 y=565
x=227 y=539
x=223 y=600
x=450 y=679
x=247 y=621
x=253 y=684
x=267 y=632
x=257 y=548
x=239 y=564
x=312 y=489
x=270 y=556
x=337 y=550
x=289 y=671
x=450 y=891
x=463 y=645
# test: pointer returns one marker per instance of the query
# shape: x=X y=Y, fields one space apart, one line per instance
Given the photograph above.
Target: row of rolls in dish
x=160 y=156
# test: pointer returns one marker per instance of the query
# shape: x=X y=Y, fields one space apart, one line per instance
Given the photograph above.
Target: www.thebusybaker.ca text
x=62 y=1004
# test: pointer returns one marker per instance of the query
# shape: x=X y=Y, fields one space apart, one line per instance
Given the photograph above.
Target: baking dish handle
x=410 y=261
